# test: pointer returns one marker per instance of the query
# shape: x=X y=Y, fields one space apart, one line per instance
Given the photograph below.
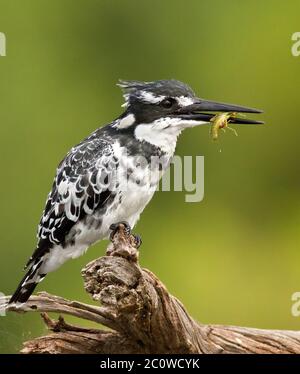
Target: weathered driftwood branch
x=141 y=315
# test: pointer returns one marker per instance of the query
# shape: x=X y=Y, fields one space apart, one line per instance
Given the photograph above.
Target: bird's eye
x=168 y=102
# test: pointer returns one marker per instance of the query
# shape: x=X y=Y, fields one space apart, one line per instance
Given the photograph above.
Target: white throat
x=163 y=133
x=165 y=139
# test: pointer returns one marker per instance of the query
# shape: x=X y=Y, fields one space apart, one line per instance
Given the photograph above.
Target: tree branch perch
x=141 y=315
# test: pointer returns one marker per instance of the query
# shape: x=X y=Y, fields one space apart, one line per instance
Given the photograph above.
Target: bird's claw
x=116 y=226
x=138 y=241
x=124 y=229
x=123 y=242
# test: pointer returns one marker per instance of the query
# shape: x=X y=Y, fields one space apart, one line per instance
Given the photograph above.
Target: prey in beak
x=205 y=110
x=219 y=114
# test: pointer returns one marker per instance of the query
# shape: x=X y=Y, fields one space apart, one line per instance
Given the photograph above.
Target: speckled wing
x=81 y=186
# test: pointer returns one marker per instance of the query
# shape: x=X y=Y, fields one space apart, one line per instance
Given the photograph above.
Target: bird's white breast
x=131 y=197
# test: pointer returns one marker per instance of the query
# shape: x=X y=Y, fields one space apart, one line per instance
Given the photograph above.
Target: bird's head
x=158 y=111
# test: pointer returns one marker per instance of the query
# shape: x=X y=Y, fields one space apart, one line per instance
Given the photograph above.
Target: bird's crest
x=129 y=87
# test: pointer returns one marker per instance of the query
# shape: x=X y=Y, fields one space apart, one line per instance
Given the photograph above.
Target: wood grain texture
x=141 y=315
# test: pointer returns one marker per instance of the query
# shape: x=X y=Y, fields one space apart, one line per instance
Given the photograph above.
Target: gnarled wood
x=141 y=315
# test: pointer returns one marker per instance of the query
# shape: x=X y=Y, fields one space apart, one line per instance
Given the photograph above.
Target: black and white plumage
x=110 y=177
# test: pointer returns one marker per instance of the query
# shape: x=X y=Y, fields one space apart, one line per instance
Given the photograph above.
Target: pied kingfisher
x=105 y=179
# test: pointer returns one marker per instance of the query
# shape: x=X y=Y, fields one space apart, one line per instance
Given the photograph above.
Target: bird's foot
x=123 y=242
x=138 y=241
x=122 y=225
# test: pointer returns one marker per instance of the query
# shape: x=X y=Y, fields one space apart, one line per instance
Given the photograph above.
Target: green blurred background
x=233 y=258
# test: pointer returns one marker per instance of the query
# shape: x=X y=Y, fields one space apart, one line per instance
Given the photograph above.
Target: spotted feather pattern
x=82 y=185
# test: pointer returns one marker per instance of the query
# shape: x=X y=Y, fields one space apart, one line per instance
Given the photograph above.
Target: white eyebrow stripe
x=184 y=101
x=150 y=98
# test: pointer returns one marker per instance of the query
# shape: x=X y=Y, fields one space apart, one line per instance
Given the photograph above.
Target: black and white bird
x=110 y=177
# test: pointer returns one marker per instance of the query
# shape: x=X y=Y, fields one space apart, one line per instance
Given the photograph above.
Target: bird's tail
x=27 y=285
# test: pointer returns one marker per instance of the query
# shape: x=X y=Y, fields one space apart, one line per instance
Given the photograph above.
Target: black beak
x=195 y=112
